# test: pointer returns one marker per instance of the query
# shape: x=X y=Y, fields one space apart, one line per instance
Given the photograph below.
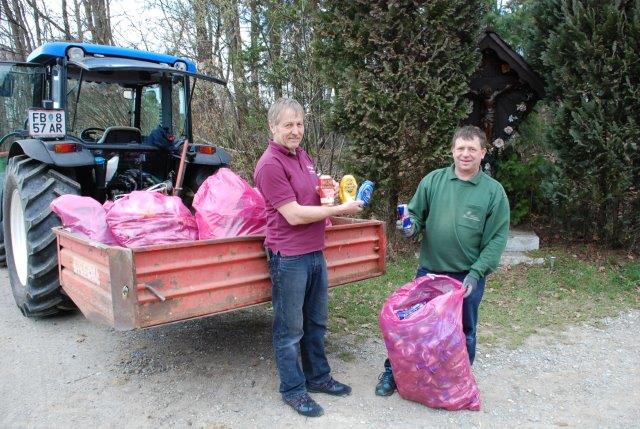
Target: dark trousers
x=300 y=300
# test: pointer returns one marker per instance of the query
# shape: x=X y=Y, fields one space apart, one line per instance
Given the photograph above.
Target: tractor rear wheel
x=3 y=256
x=31 y=251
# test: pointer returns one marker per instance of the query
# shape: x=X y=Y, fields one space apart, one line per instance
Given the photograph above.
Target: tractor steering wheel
x=91 y=134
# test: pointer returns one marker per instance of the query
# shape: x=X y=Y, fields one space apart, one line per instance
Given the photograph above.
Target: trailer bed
x=154 y=285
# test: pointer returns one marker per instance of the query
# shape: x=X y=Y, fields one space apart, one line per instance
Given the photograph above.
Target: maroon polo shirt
x=283 y=177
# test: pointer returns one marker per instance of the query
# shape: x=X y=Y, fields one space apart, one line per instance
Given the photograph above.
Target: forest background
x=385 y=83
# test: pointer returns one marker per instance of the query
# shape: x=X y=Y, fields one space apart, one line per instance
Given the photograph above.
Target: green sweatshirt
x=466 y=223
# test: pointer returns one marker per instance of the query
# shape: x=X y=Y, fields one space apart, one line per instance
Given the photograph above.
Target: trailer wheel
x=30 y=244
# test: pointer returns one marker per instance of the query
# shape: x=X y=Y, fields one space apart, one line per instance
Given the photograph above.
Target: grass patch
x=354 y=308
x=517 y=303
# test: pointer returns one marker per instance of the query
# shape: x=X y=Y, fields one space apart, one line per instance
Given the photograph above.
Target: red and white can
x=326 y=190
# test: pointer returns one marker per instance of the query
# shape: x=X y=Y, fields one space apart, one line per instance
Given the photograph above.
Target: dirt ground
x=219 y=372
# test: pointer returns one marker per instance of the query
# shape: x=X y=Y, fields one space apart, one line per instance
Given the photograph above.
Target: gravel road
x=219 y=372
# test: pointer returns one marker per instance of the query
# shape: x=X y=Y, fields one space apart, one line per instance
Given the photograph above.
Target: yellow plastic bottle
x=348 y=188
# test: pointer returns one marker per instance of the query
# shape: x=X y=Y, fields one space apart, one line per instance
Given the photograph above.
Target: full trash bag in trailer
x=227 y=206
x=144 y=218
x=422 y=328
x=85 y=216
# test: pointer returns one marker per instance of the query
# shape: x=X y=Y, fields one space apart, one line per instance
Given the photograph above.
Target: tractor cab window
x=150 y=108
x=95 y=106
x=21 y=87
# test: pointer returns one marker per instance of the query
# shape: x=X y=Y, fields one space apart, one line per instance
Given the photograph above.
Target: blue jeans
x=470 y=307
x=300 y=300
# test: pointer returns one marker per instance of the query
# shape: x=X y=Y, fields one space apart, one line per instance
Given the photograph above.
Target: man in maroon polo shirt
x=286 y=177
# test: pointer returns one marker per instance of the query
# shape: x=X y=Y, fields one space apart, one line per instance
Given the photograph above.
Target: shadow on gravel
x=239 y=339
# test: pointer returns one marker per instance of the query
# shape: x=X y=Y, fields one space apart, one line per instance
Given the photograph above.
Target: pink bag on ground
x=144 y=218
x=83 y=215
x=422 y=328
x=227 y=206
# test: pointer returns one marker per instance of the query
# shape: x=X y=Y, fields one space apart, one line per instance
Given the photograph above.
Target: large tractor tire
x=3 y=256
x=30 y=245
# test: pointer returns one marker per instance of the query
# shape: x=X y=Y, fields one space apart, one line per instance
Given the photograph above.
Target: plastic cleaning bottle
x=365 y=191
x=348 y=188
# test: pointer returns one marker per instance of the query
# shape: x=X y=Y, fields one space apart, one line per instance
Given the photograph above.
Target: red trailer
x=154 y=285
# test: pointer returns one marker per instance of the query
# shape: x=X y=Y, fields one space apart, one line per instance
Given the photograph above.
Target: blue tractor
x=91 y=120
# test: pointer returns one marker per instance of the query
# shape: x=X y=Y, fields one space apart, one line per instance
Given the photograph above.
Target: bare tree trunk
x=29 y=40
x=253 y=59
x=204 y=48
x=88 y=12
x=276 y=52
x=36 y=20
x=102 y=22
x=99 y=21
x=65 y=21
x=231 y=21
x=275 y=49
x=76 y=11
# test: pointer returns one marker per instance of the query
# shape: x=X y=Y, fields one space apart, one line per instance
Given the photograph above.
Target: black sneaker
x=305 y=405
x=330 y=387
x=386 y=383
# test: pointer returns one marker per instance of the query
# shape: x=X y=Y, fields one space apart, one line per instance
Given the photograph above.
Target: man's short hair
x=469 y=132
x=279 y=106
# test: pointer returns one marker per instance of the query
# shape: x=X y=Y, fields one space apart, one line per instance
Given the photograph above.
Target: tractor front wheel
x=31 y=251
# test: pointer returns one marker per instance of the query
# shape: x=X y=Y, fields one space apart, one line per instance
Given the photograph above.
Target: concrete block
x=522 y=241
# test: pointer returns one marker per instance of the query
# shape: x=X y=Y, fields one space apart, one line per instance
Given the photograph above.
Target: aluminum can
x=403 y=215
x=403 y=211
x=326 y=190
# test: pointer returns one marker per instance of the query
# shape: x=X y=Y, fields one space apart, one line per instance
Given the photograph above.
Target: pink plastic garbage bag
x=144 y=218
x=422 y=328
x=227 y=206
x=85 y=216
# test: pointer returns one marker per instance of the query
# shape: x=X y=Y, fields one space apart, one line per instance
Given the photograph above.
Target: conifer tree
x=591 y=55
x=400 y=71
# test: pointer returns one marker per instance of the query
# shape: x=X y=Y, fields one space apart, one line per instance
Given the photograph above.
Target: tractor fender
x=43 y=152
x=220 y=157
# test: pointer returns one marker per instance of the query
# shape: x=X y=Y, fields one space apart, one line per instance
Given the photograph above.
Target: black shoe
x=386 y=384
x=305 y=405
x=330 y=387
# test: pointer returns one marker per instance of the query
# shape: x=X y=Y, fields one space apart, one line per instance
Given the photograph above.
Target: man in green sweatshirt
x=464 y=214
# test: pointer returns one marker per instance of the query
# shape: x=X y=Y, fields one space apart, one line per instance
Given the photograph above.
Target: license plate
x=46 y=123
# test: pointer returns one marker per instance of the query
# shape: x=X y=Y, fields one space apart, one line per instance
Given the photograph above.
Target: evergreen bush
x=590 y=52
